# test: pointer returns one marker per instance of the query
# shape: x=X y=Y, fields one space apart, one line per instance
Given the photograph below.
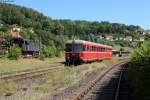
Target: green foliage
x=42 y=57
x=147 y=37
x=123 y=43
x=33 y=36
x=1 y=34
x=4 y=27
x=121 y=49
x=24 y=35
x=49 y=51
x=141 y=55
x=44 y=36
x=139 y=72
x=60 y=41
x=106 y=42
x=14 y=52
x=3 y=56
x=8 y=87
x=59 y=53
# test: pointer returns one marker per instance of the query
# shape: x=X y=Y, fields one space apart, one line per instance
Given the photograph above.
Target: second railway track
x=111 y=85
x=29 y=73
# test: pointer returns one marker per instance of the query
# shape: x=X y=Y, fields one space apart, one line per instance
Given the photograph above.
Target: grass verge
x=24 y=64
x=58 y=79
x=8 y=88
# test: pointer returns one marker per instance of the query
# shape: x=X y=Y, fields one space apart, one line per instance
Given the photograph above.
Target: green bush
x=3 y=56
x=14 y=52
x=24 y=34
x=48 y=51
x=122 y=43
x=139 y=72
x=121 y=49
x=59 y=53
x=106 y=42
x=42 y=57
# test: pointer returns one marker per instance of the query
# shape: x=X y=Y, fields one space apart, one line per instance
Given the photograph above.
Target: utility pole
x=90 y=37
x=40 y=45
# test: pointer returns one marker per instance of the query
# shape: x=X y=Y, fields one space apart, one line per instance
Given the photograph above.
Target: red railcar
x=78 y=51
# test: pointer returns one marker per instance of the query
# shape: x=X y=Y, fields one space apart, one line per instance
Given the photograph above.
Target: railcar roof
x=86 y=42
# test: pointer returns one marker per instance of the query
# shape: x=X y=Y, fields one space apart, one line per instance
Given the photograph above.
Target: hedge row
x=139 y=72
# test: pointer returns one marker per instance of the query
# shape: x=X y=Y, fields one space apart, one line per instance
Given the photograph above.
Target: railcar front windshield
x=74 y=48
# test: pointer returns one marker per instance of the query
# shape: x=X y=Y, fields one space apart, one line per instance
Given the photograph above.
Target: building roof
x=15 y=34
x=87 y=42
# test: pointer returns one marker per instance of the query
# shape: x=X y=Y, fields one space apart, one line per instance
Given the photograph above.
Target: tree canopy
x=27 y=17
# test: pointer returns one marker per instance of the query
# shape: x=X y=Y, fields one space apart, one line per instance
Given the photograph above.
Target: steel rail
x=92 y=83
x=28 y=74
x=118 y=85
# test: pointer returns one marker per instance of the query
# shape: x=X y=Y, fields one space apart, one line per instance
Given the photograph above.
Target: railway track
x=29 y=73
x=114 y=88
x=122 y=89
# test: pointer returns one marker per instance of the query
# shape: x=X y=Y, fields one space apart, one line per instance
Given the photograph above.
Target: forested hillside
x=54 y=33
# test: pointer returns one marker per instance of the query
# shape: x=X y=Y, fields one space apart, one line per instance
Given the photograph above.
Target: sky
x=135 y=12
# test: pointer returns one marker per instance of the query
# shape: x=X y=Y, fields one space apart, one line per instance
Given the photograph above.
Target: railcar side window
x=109 y=50
x=102 y=49
x=84 y=47
x=91 y=49
x=94 y=48
x=87 y=48
x=75 y=48
x=98 y=49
